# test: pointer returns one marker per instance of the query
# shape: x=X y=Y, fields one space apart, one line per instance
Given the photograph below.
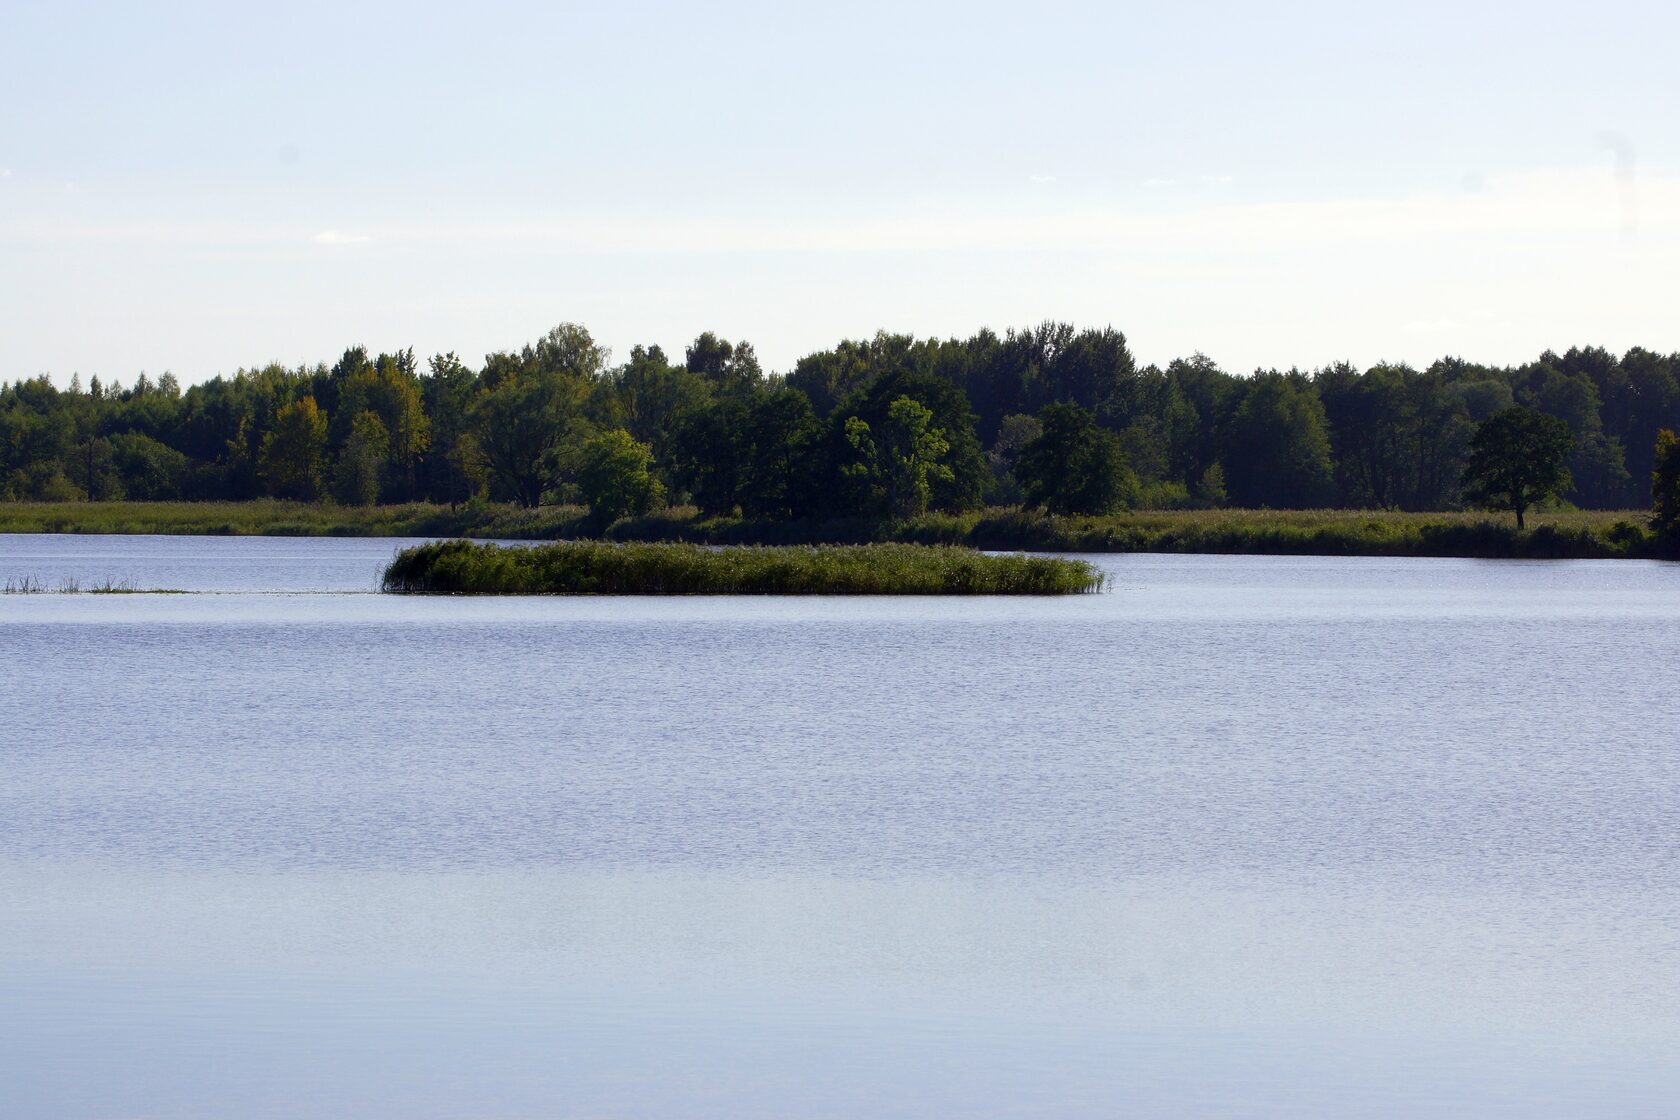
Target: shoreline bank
x=1573 y=534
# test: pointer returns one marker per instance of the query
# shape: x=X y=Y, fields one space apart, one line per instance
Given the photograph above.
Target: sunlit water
x=1240 y=837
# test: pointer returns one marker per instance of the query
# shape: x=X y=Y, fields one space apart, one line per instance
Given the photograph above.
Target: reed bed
x=275 y=518
x=1573 y=534
x=598 y=568
x=1555 y=534
x=1569 y=534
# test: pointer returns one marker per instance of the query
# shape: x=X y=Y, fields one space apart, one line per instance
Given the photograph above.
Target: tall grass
x=598 y=568
x=292 y=519
x=1572 y=535
x=1557 y=534
x=1575 y=534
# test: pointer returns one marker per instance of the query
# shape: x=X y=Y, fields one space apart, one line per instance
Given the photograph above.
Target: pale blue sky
x=198 y=187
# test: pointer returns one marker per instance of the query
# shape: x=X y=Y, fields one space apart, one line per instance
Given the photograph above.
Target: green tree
x=1015 y=432
x=1665 y=490
x=361 y=461
x=96 y=466
x=780 y=474
x=1075 y=466
x=901 y=457
x=518 y=427
x=958 y=487
x=1598 y=472
x=1483 y=397
x=1517 y=460
x=390 y=390
x=654 y=397
x=1210 y=488
x=729 y=367
x=447 y=394
x=151 y=471
x=290 y=462
x=1655 y=404
x=711 y=450
x=1277 y=451
x=615 y=476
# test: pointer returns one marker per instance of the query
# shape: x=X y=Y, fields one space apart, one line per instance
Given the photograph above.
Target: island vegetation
x=601 y=568
x=1047 y=437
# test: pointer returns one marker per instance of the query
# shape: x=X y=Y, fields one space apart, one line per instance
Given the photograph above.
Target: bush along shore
x=1571 y=534
x=600 y=568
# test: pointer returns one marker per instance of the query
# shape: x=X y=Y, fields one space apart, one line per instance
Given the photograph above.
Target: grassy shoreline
x=1573 y=534
x=459 y=567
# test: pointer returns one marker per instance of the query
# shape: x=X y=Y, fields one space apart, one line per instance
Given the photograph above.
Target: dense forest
x=890 y=426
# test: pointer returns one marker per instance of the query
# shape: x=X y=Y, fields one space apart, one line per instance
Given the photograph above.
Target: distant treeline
x=886 y=427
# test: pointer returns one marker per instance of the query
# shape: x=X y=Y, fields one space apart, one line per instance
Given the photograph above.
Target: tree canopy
x=1517 y=460
x=1665 y=491
x=830 y=438
x=1074 y=466
x=615 y=476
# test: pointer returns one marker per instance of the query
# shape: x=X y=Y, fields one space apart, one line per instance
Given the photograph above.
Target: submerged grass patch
x=598 y=568
x=30 y=585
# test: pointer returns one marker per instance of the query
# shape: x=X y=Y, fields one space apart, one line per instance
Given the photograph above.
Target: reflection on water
x=1246 y=836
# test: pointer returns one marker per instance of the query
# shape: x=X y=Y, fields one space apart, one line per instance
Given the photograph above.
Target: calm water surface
x=1242 y=837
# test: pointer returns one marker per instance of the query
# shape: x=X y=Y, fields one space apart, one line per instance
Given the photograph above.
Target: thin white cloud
x=1041 y=179
x=1216 y=180
x=1433 y=326
x=1571 y=207
x=1157 y=182
x=1564 y=208
x=5 y=173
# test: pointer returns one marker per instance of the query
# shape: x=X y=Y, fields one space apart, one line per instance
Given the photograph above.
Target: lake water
x=1241 y=837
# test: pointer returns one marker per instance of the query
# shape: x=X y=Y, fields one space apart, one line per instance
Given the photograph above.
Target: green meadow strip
x=1559 y=534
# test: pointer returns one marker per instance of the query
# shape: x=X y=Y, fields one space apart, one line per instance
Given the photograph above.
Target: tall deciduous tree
x=521 y=424
x=654 y=396
x=1015 y=432
x=729 y=367
x=1665 y=490
x=901 y=456
x=1075 y=466
x=447 y=394
x=783 y=459
x=615 y=477
x=1517 y=460
x=361 y=461
x=390 y=389
x=1278 y=446
x=290 y=464
x=958 y=488
x=711 y=450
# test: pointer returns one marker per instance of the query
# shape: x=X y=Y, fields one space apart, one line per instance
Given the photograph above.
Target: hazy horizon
x=197 y=191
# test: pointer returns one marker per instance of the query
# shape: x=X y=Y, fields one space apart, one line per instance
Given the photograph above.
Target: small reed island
x=462 y=567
